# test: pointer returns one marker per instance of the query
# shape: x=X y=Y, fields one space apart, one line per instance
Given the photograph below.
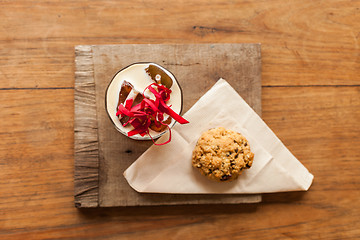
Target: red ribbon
x=148 y=110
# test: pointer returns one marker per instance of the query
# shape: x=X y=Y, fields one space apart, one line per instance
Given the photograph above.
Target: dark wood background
x=310 y=98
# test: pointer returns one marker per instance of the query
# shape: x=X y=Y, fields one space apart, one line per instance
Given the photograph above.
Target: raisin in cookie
x=222 y=154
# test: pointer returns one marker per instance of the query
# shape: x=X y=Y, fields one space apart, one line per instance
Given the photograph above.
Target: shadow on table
x=189 y=210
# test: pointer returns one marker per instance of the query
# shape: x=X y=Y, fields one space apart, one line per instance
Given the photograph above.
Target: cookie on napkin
x=168 y=168
x=222 y=154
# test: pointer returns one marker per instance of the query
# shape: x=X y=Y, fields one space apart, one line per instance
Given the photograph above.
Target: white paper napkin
x=168 y=169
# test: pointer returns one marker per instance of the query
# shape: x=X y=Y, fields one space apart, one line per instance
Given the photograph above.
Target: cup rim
x=136 y=137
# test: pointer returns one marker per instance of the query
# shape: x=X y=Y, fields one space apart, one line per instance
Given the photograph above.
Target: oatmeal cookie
x=222 y=154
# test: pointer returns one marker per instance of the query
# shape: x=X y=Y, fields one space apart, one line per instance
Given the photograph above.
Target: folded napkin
x=168 y=168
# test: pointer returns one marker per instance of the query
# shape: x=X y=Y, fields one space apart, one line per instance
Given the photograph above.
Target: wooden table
x=310 y=98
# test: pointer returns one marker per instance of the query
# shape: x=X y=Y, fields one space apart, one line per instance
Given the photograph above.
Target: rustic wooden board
x=98 y=176
x=85 y=126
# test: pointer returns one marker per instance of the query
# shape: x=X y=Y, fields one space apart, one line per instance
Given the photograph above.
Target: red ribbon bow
x=148 y=110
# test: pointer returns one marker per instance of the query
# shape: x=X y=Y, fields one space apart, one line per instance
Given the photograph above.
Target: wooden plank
x=86 y=147
x=319 y=116
x=318 y=124
x=117 y=152
x=302 y=47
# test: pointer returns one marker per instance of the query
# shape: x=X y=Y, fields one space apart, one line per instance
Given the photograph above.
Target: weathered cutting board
x=102 y=153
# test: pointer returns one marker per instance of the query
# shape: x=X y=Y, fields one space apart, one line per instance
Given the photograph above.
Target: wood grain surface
x=310 y=98
x=86 y=139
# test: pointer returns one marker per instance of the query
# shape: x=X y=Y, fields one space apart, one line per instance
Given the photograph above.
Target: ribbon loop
x=147 y=111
